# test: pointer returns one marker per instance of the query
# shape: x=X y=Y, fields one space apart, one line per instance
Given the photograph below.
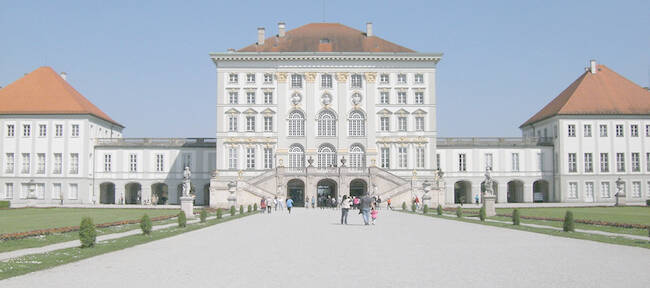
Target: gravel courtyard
x=310 y=249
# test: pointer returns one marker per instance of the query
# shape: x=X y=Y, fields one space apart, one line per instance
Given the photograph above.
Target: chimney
x=64 y=75
x=260 y=36
x=281 y=29
x=593 y=68
x=369 y=29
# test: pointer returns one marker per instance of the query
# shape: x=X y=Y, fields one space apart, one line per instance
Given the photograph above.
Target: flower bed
x=21 y=235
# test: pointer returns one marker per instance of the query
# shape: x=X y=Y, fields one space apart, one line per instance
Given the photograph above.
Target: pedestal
x=187 y=206
x=488 y=203
x=620 y=200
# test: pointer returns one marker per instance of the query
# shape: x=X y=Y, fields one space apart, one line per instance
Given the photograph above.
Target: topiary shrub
x=515 y=217
x=413 y=207
x=241 y=209
x=145 y=225
x=219 y=213
x=404 y=206
x=439 y=210
x=87 y=233
x=425 y=209
x=568 y=226
x=255 y=207
x=232 y=210
x=182 y=220
x=203 y=215
x=4 y=204
x=647 y=203
x=481 y=214
x=250 y=208
x=459 y=212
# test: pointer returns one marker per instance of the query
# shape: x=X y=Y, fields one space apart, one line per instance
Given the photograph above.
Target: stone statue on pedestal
x=489 y=198
x=489 y=183
x=187 y=186
x=620 y=192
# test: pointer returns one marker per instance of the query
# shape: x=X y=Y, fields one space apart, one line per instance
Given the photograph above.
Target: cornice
x=331 y=56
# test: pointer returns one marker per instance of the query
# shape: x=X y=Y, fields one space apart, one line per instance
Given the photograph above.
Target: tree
x=145 y=224
x=87 y=233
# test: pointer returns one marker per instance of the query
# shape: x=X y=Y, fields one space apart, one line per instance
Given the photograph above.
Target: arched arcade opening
x=159 y=193
x=358 y=187
x=132 y=193
x=515 y=191
x=540 y=191
x=462 y=192
x=296 y=191
x=107 y=193
x=326 y=189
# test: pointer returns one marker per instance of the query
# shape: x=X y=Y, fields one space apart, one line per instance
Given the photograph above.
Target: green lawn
x=28 y=219
x=630 y=215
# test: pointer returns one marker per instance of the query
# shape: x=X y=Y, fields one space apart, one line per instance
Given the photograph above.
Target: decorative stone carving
x=187 y=174
x=282 y=77
x=310 y=76
x=489 y=190
x=326 y=99
x=371 y=77
x=356 y=98
x=296 y=98
x=342 y=76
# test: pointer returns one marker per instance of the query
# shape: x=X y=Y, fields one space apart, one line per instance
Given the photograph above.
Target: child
x=373 y=214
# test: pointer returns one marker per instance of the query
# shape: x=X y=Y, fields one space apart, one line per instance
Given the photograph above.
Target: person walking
x=476 y=198
x=355 y=202
x=388 y=204
x=313 y=202
x=281 y=203
x=289 y=204
x=373 y=214
x=269 y=205
x=307 y=202
x=262 y=205
x=417 y=203
x=275 y=203
x=364 y=206
x=345 y=208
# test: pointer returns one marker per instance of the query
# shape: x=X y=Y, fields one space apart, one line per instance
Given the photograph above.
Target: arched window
x=357 y=156
x=326 y=156
x=326 y=123
x=296 y=124
x=357 y=124
x=296 y=156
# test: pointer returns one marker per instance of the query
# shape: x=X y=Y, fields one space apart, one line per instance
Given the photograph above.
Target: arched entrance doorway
x=515 y=191
x=159 y=193
x=206 y=195
x=495 y=189
x=107 y=193
x=326 y=190
x=540 y=191
x=462 y=192
x=358 y=187
x=132 y=193
x=296 y=190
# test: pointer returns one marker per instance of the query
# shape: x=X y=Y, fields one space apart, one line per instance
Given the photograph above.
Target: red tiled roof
x=307 y=38
x=43 y=91
x=602 y=93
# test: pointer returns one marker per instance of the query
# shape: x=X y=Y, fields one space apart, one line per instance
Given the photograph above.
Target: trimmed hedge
x=219 y=213
x=413 y=207
x=481 y=214
x=232 y=210
x=515 y=217
x=255 y=207
x=425 y=209
x=145 y=225
x=404 y=206
x=5 y=204
x=203 y=215
x=241 y=209
x=568 y=226
x=459 y=212
x=250 y=208
x=182 y=220
x=87 y=233
x=439 y=210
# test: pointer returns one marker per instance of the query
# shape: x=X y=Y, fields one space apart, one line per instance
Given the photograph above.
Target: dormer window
x=324 y=41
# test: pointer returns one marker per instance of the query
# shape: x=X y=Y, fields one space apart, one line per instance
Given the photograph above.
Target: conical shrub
x=439 y=210
x=182 y=220
x=481 y=213
x=145 y=224
x=569 y=225
x=87 y=233
x=459 y=212
x=515 y=217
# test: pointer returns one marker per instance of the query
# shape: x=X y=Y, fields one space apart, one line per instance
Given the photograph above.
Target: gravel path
x=309 y=249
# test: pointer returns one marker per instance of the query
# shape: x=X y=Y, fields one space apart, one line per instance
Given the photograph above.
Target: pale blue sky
x=146 y=63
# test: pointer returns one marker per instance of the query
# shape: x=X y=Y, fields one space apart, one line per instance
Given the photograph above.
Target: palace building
x=325 y=110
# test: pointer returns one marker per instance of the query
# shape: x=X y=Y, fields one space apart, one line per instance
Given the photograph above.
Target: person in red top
x=263 y=205
x=417 y=202
x=388 y=204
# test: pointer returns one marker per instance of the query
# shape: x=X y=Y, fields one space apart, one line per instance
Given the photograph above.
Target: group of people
x=270 y=204
x=367 y=208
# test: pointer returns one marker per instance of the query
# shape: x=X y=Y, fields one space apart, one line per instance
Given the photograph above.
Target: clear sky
x=146 y=63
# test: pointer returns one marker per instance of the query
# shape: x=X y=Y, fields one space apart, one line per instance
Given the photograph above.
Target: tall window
x=419 y=157
x=9 y=166
x=647 y=164
x=636 y=162
x=647 y=131
x=573 y=165
x=589 y=162
x=636 y=189
x=27 y=130
x=40 y=167
x=233 y=78
x=108 y=162
x=619 y=130
x=540 y=161
x=462 y=162
x=419 y=97
x=268 y=158
x=620 y=162
x=587 y=130
x=634 y=130
x=75 y=130
x=296 y=156
x=296 y=124
x=438 y=161
x=187 y=161
x=58 y=130
x=357 y=156
x=58 y=163
x=233 y=97
x=232 y=158
x=250 y=123
x=232 y=123
x=384 y=124
x=9 y=190
x=250 y=158
x=56 y=191
x=73 y=191
x=384 y=79
x=250 y=78
x=268 y=123
x=326 y=156
x=42 y=130
x=326 y=81
x=326 y=123
x=489 y=161
x=419 y=78
x=296 y=81
x=385 y=157
x=603 y=130
x=384 y=97
x=604 y=190
x=419 y=123
x=515 y=161
x=26 y=163
x=402 y=125
x=572 y=130
x=573 y=190
x=133 y=162
x=357 y=124
x=160 y=162
x=11 y=130
x=401 y=97
x=250 y=97
x=403 y=157
x=74 y=163
x=589 y=191
x=355 y=80
x=268 y=78
x=268 y=97
x=401 y=78
x=604 y=162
